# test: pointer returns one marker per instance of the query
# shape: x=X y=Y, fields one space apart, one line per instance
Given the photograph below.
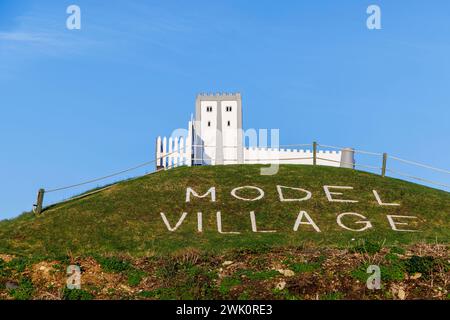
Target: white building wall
x=208 y=130
x=229 y=130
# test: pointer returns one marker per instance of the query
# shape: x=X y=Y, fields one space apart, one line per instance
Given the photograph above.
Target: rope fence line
x=417 y=178
x=419 y=164
x=84 y=195
x=113 y=174
x=350 y=163
x=355 y=150
x=38 y=207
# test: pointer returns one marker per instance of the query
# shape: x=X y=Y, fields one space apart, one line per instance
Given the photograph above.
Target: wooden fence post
x=314 y=153
x=383 y=168
x=40 y=199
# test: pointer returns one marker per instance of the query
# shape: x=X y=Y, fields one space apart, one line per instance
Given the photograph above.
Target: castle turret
x=218 y=129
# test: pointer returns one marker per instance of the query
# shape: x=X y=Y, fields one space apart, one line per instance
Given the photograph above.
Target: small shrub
x=76 y=294
x=161 y=293
x=114 y=264
x=135 y=277
x=188 y=256
x=227 y=283
x=332 y=296
x=393 y=272
x=244 y=296
x=168 y=268
x=423 y=265
x=304 y=267
x=367 y=246
x=147 y=294
x=18 y=264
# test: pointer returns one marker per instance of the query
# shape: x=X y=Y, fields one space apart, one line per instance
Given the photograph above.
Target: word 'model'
x=303 y=218
x=308 y=194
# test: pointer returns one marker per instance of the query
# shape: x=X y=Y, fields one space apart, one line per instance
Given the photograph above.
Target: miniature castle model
x=216 y=137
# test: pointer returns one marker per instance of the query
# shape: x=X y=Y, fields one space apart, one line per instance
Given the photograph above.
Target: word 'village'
x=397 y=223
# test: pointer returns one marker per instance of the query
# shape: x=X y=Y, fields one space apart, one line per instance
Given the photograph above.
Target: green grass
x=126 y=218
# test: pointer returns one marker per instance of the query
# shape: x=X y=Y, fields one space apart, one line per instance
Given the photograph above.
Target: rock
x=280 y=285
x=416 y=275
x=286 y=272
x=227 y=263
x=11 y=285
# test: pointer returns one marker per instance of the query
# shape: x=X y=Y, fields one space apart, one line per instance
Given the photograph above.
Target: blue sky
x=77 y=104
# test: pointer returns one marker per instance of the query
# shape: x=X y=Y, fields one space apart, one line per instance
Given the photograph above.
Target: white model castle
x=216 y=137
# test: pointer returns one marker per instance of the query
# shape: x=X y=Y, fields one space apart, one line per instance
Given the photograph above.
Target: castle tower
x=218 y=137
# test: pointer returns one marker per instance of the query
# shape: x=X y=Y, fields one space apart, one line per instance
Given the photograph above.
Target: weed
x=228 y=283
x=332 y=296
x=76 y=294
x=423 y=265
x=24 y=291
x=367 y=246
x=135 y=277
x=113 y=264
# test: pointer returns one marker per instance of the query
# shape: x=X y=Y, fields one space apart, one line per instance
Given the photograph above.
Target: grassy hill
x=126 y=218
x=125 y=251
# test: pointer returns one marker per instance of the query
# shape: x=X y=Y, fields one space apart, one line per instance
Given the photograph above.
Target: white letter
x=211 y=190
x=367 y=223
x=219 y=225
x=180 y=221
x=381 y=203
x=261 y=193
x=310 y=221
x=254 y=228
x=74 y=20
x=394 y=224
x=373 y=282
x=280 y=193
x=329 y=193
x=199 y=222
x=374 y=20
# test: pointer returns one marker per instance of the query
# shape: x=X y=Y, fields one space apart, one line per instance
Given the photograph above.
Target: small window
x=208 y=109
x=209 y=123
x=229 y=123
x=228 y=108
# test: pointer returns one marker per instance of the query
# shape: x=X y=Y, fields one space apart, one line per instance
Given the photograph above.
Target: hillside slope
x=127 y=217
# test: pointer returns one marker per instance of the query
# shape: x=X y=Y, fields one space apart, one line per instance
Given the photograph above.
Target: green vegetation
x=333 y=296
x=319 y=273
x=24 y=291
x=395 y=269
x=126 y=220
x=228 y=283
x=76 y=294
x=367 y=246
x=117 y=265
x=299 y=267
x=425 y=265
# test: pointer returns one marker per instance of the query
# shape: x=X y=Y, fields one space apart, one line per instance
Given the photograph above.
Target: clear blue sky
x=79 y=104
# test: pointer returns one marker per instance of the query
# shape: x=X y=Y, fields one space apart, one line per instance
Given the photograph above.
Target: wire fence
x=363 y=160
